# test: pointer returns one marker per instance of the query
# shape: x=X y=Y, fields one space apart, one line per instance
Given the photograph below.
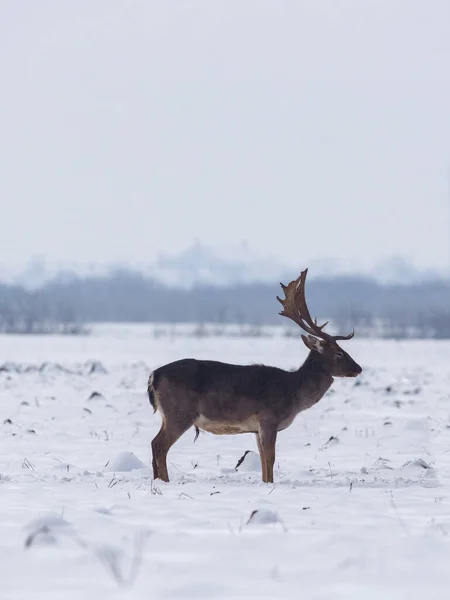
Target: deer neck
x=313 y=379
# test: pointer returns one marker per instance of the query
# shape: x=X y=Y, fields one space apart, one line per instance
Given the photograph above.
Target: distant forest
x=69 y=304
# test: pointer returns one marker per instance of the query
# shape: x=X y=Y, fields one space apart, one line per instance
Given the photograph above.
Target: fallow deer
x=224 y=398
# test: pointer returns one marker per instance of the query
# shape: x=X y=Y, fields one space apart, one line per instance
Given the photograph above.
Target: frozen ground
x=360 y=508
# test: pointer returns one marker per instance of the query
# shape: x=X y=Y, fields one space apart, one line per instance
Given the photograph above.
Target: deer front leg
x=268 y=437
x=262 y=457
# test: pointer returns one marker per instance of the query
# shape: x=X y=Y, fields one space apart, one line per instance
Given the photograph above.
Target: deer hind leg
x=155 y=449
x=262 y=457
x=268 y=437
x=161 y=444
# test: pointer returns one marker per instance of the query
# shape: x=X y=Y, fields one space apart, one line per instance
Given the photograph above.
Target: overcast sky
x=308 y=128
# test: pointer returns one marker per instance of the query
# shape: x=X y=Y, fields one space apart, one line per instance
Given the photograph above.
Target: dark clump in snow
x=332 y=441
x=418 y=462
x=95 y=366
x=46 y=529
x=8 y=368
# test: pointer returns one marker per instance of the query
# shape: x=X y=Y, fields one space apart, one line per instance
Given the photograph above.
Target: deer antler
x=295 y=308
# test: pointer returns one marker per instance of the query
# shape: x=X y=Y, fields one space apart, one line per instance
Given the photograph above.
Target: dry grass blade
x=111 y=558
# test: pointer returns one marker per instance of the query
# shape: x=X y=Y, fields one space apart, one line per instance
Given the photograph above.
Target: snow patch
x=123 y=462
x=249 y=462
x=264 y=516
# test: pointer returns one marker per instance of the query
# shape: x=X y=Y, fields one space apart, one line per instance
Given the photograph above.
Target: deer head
x=338 y=362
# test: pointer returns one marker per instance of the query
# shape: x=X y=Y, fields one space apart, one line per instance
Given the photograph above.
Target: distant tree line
x=24 y=311
x=65 y=305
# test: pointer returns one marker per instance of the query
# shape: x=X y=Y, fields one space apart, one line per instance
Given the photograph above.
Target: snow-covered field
x=360 y=508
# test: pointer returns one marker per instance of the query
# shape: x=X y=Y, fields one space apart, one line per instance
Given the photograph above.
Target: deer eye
x=339 y=354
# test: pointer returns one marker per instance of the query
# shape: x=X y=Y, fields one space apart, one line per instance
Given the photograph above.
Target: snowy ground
x=360 y=508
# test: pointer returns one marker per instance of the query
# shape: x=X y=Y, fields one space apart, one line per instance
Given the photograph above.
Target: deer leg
x=268 y=438
x=262 y=457
x=161 y=444
x=155 y=449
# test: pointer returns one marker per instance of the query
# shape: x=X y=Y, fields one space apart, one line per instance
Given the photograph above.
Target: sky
x=306 y=129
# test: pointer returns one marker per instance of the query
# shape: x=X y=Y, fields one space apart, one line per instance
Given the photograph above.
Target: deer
x=227 y=399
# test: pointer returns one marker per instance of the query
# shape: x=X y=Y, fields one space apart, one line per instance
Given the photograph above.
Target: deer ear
x=312 y=343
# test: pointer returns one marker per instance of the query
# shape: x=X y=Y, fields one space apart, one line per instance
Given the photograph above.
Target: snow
x=360 y=507
x=250 y=461
x=125 y=461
